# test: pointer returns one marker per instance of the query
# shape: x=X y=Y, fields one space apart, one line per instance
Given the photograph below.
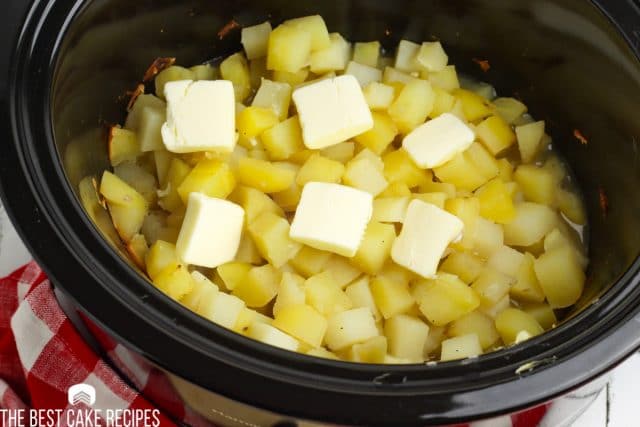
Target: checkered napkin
x=42 y=355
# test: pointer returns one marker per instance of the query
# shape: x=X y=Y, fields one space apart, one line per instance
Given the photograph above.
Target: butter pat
x=200 y=116
x=332 y=217
x=331 y=111
x=425 y=235
x=437 y=141
x=211 y=231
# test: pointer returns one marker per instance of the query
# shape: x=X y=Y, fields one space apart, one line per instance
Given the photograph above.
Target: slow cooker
x=66 y=68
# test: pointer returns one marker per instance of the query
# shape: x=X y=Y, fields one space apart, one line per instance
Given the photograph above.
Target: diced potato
x=204 y=72
x=496 y=203
x=543 y=313
x=252 y=121
x=491 y=286
x=509 y=109
x=468 y=210
x=288 y=199
x=171 y=74
x=399 y=167
x=432 y=57
x=556 y=167
x=396 y=189
x=484 y=89
x=461 y=172
x=360 y=295
x=283 y=139
x=363 y=73
x=211 y=177
x=495 y=134
x=464 y=265
x=378 y=138
x=532 y=222
x=536 y=183
x=288 y=49
x=561 y=276
x=487 y=237
x=474 y=106
x=391 y=298
x=203 y=290
x=290 y=293
x=436 y=335
x=444 y=103
x=257 y=71
x=366 y=154
x=264 y=176
x=139 y=179
x=259 y=287
x=364 y=175
x=571 y=206
x=506 y=260
x=320 y=169
x=529 y=140
x=169 y=199
x=142 y=102
x=527 y=288
x=367 y=53
x=350 y=327
x=515 y=325
x=272 y=336
x=322 y=353
x=270 y=233
x=323 y=293
x=236 y=69
x=161 y=256
x=254 y=203
x=379 y=96
x=436 y=199
x=294 y=78
x=232 y=273
x=486 y=164
x=406 y=56
x=390 y=209
x=162 y=160
x=333 y=58
x=375 y=247
x=406 y=336
x=505 y=169
x=317 y=29
x=247 y=251
x=303 y=323
x=341 y=270
x=446 y=299
x=412 y=106
x=174 y=282
x=223 y=309
x=446 y=79
x=460 y=347
x=123 y=145
x=476 y=323
x=310 y=261
x=370 y=351
x=273 y=95
x=127 y=207
x=255 y=39
x=342 y=152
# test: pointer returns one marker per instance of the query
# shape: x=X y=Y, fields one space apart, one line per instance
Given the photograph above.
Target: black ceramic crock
x=65 y=64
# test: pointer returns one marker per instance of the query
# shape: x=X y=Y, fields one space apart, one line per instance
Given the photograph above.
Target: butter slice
x=332 y=111
x=332 y=217
x=437 y=141
x=211 y=231
x=200 y=116
x=425 y=235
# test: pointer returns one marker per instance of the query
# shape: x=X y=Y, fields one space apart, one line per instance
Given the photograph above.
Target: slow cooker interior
x=563 y=58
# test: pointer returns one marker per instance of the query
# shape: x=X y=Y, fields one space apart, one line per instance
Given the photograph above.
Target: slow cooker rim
x=27 y=161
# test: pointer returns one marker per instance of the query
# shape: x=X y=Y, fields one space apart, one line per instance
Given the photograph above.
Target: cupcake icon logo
x=81 y=393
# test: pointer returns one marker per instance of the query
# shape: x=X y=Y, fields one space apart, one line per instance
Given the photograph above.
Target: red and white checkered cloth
x=42 y=355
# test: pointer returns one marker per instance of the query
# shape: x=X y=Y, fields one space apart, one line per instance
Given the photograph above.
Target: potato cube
x=273 y=95
x=515 y=326
x=484 y=161
x=293 y=79
x=491 y=286
x=323 y=293
x=379 y=96
x=464 y=265
x=510 y=109
x=122 y=145
x=399 y=167
x=211 y=177
x=127 y=207
x=363 y=73
x=264 y=176
x=505 y=170
x=232 y=273
x=247 y=251
x=259 y=287
x=254 y=203
x=303 y=323
x=396 y=189
x=543 y=313
x=529 y=140
x=446 y=298
x=139 y=179
x=257 y=71
x=444 y=103
x=495 y=134
x=527 y=287
x=161 y=256
x=468 y=210
x=561 y=276
x=289 y=49
x=341 y=270
x=255 y=39
x=487 y=237
x=390 y=209
x=360 y=295
x=445 y=79
x=350 y=327
x=236 y=69
x=478 y=324
x=290 y=293
x=536 y=183
x=496 y=203
x=556 y=167
x=571 y=206
x=370 y=351
x=461 y=172
x=252 y=121
x=317 y=29
x=283 y=139
x=342 y=152
x=223 y=309
x=143 y=102
x=380 y=136
x=322 y=353
x=364 y=175
x=270 y=233
x=288 y=199
x=320 y=169
x=460 y=347
x=169 y=199
x=432 y=57
x=532 y=222
x=272 y=336
x=310 y=261
x=375 y=247
x=506 y=260
x=406 y=336
x=171 y=74
x=406 y=56
x=333 y=58
x=367 y=53
x=174 y=282
x=474 y=106
x=391 y=297
x=412 y=106
x=203 y=290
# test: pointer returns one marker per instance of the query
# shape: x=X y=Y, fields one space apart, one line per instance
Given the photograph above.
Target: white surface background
x=614 y=407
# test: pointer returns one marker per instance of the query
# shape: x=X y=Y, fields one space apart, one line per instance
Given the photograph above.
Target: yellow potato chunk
x=460 y=347
x=468 y=210
x=487 y=237
x=510 y=109
x=161 y=256
x=315 y=26
x=436 y=199
x=373 y=350
x=446 y=79
x=320 y=169
x=561 y=276
x=310 y=261
x=444 y=103
x=290 y=293
x=341 y=270
x=273 y=95
x=223 y=309
x=283 y=139
x=289 y=49
x=515 y=326
x=390 y=209
x=254 y=202
x=375 y=247
x=412 y=106
x=303 y=323
x=527 y=287
x=537 y=184
x=400 y=168
x=379 y=96
x=464 y=265
x=232 y=273
x=272 y=336
x=175 y=283
x=391 y=298
x=211 y=177
x=127 y=207
x=378 y=138
x=363 y=174
x=491 y=286
x=123 y=145
x=236 y=69
x=342 y=152
x=474 y=106
x=571 y=206
x=495 y=134
x=529 y=138
x=333 y=58
x=406 y=336
x=532 y=222
x=294 y=79
x=169 y=199
x=543 y=313
x=252 y=121
x=360 y=295
x=496 y=203
x=270 y=233
x=350 y=327
x=476 y=323
x=264 y=176
x=259 y=287
x=445 y=299
x=171 y=74
x=367 y=53
x=323 y=293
